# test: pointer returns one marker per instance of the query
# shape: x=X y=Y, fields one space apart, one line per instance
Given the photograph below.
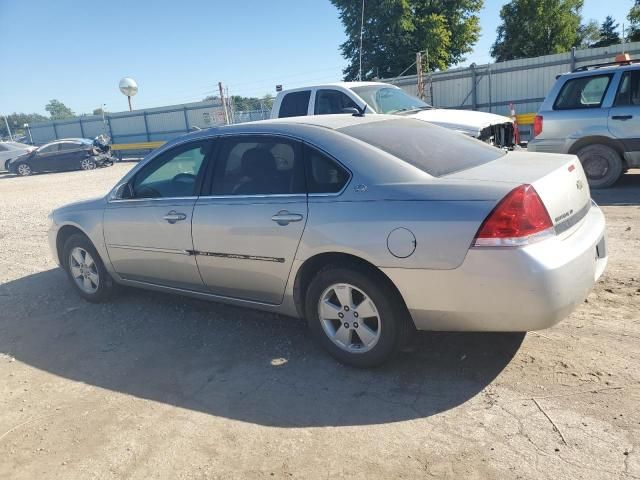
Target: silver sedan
x=368 y=226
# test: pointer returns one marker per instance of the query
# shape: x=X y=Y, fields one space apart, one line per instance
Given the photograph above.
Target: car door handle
x=283 y=217
x=622 y=117
x=173 y=217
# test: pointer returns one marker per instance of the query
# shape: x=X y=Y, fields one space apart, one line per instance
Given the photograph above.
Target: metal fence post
x=55 y=130
x=146 y=126
x=108 y=118
x=81 y=128
x=474 y=90
x=573 y=58
x=186 y=119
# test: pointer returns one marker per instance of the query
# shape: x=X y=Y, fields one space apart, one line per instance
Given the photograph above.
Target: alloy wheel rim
x=349 y=318
x=87 y=164
x=84 y=270
x=24 y=169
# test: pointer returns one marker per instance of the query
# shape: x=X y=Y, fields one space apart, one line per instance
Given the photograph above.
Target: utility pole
x=224 y=104
x=361 y=33
x=430 y=80
x=6 y=122
x=420 y=78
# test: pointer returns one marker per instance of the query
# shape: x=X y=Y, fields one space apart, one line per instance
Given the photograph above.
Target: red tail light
x=537 y=125
x=519 y=219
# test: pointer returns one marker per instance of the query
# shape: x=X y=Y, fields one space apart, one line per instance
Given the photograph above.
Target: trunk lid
x=559 y=180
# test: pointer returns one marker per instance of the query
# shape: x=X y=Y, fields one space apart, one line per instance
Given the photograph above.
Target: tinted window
x=258 y=166
x=583 y=92
x=173 y=173
x=295 y=104
x=49 y=148
x=629 y=90
x=432 y=149
x=69 y=146
x=324 y=175
x=332 y=101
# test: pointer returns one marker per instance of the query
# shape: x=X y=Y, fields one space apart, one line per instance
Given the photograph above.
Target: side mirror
x=123 y=191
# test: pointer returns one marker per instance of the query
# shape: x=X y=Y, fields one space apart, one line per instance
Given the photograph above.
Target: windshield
x=385 y=99
x=434 y=150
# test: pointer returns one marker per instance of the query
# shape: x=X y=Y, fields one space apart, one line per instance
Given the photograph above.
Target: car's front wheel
x=23 y=169
x=87 y=164
x=86 y=270
x=602 y=165
x=354 y=314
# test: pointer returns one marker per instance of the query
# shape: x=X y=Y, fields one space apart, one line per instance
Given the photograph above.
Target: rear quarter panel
x=444 y=230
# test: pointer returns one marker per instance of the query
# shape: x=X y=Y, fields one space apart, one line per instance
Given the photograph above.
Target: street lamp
x=26 y=125
x=129 y=88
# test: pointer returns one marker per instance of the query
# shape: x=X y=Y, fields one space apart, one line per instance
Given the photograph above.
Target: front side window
x=68 y=146
x=384 y=99
x=629 y=90
x=332 y=101
x=295 y=104
x=324 y=175
x=173 y=173
x=582 y=92
x=258 y=166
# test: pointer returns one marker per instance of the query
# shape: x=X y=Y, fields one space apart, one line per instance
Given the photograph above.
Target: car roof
x=347 y=85
x=601 y=70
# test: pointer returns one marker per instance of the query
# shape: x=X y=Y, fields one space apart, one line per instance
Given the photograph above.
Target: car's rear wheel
x=87 y=164
x=23 y=169
x=86 y=270
x=602 y=165
x=354 y=314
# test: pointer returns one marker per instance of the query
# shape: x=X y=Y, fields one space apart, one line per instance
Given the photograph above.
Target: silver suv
x=594 y=112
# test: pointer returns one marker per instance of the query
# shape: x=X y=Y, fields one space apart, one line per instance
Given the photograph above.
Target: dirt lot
x=155 y=386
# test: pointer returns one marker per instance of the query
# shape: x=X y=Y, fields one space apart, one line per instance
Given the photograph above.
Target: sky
x=177 y=52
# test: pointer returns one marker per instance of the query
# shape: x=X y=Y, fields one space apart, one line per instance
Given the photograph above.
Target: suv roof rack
x=584 y=68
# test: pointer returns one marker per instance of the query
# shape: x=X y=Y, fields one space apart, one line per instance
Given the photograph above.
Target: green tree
x=58 y=110
x=394 y=30
x=608 y=33
x=634 y=23
x=588 y=34
x=531 y=28
x=98 y=111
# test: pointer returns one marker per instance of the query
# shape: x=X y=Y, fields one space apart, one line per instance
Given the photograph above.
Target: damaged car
x=384 y=98
x=63 y=155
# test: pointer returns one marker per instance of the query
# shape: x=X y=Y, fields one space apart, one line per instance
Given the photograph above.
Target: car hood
x=465 y=121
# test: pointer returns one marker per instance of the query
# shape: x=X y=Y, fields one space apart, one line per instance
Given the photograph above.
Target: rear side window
x=324 y=175
x=295 y=104
x=332 y=101
x=434 y=150
x=582 y=92
x=629 y=90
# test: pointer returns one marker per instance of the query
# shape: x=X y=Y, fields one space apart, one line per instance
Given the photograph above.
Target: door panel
x=144 y=246
x=241 y=251
x=148 y=235
x=624 y=116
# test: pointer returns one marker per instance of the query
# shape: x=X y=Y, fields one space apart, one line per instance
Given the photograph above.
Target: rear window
x=434 y=150
x=582 y=92
x=295 y=104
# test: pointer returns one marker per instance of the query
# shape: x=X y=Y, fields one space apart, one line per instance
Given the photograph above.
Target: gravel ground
x=157 y=386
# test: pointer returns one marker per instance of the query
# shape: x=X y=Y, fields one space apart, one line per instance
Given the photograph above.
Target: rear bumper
x=508 y=289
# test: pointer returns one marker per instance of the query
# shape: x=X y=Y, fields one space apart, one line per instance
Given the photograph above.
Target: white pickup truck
x=344 y=97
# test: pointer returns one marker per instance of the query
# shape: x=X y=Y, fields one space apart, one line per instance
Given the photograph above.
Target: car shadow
x=626 y=191
x=233 y=362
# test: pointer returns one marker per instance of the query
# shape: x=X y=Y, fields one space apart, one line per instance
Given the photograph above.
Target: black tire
x=105 y=287
x=394 y=319
x=602 y=165
x=25 y=171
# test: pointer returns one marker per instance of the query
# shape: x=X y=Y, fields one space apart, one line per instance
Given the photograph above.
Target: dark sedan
x=61 y=155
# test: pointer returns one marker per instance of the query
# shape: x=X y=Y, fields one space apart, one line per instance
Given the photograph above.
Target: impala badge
x=579 y=185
